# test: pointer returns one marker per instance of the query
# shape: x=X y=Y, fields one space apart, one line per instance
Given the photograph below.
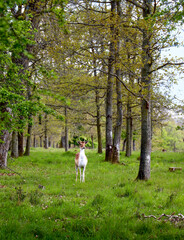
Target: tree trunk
x=118 y=127
x=21 y=143
x=145 y=159
x=62 y=142
x=66 y=130
x=29 y=130
x=109 y=95
x=92 y=142
x=129 y=129
x=97 y=100
x=124 y=145
x=14 y=147
x=40 y=141
x=99 y=134
x=134 y=149
x=119 y=118
x=49 y=141
x=45 y=133
x=144 y=168
x=34 y=141
x=28 y=141
x=174 y=149
x=5 y=138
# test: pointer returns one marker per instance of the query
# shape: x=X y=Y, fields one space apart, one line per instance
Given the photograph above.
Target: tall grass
x=47 y=203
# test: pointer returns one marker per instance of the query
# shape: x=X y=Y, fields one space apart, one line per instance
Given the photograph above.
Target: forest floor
x=45 y=202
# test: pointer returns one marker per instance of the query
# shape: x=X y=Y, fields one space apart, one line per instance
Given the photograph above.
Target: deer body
x=81 y=162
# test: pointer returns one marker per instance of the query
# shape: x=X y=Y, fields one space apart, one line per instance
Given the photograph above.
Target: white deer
x=81 y=161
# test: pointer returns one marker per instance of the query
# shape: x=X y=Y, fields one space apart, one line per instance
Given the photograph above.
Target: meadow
x=45 y=202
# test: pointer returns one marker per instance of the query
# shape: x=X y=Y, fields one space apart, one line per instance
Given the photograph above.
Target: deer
x=81 y=161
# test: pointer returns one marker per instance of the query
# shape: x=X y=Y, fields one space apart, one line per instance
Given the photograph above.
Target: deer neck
x=82 y=151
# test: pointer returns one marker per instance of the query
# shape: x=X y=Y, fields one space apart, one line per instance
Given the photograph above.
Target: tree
x=144 y=168
x=14 y=147
x=4 y=141
x=152 y=25
x=85 y=82
x=119 y=118
x=109 y=94
x=39 y=10
x=14 y=38
x=16 y=42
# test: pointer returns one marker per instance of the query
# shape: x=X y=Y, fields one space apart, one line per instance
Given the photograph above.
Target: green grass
x=109 y=205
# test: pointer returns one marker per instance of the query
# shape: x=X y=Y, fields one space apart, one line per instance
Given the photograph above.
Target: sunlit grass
x=45 y=202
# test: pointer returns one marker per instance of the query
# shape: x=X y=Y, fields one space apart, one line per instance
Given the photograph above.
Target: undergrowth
x=45 y=202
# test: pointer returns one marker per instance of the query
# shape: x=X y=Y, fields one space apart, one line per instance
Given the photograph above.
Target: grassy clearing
x=47 y=203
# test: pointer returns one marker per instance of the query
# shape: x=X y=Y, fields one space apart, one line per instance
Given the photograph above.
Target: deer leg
x=80 y=174
x=83 y=174
x=76 y=168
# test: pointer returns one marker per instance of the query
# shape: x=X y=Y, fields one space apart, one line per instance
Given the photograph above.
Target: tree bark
x=99 y=134
x=97 y=101
x=119 y=118
x=21 y=143
x=5 y=138
x=134 y=149
x=66 y=130
x=34 y=141
x=145 y=159
x=124 y=145
x=14 y=147
x=174 y=149
x=28 y=141
x=50 y=142
x=40 y=141
x=29 y=130
x=109 y=94
x=45 y=133
x=92 y=142
x=62 y=142
x=129 y=129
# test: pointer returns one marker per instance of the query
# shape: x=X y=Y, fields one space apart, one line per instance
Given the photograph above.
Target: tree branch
x=135 y=3
x=86 y=24
x=166 y=64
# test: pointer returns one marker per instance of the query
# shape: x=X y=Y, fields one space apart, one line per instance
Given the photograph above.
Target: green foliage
x=15 y=37
x=58 y=10
x=123 y=134
x=180 y=128
x=109 y=205
x=135 y=135
x=170 y=137
x=51 y=94
x=76 y=139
